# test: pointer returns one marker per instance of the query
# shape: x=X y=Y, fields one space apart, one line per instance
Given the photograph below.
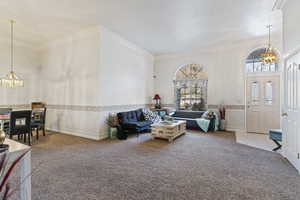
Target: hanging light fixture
x=269 y=56
x=11 y=79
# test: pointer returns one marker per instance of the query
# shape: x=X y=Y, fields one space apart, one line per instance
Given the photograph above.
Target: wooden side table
x=168 y=131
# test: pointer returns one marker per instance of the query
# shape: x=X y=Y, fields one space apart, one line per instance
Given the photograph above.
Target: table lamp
x=157 y=101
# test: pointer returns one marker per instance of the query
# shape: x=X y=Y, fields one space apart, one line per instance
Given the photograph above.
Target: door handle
x=284 y=115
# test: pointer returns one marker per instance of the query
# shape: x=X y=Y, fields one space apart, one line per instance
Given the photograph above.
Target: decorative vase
x=2 y=137
x=223 y=125
x=157 y=106
x=112 y=132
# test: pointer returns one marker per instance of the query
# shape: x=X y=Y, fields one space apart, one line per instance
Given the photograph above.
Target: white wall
x=224 y=65
x=291 y=28
x=69 y=83
x=69 y=69
x=126 y=72
x=125 y=76
x=90 y=74
x=26 y=65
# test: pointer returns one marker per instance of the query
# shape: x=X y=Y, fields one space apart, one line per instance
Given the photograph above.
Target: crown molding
x=279 y=4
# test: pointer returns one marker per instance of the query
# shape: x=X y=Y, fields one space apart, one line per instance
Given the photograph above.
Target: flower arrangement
x=112 y=120
x=222 y=111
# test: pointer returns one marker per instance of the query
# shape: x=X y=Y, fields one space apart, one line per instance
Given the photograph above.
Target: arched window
x=190 y=85
x=254 y=63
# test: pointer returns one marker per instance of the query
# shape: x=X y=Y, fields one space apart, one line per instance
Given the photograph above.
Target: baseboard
x=74 y=133
x=236 y=130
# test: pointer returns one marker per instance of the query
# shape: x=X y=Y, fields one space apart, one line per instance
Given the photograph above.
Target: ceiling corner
x=279 y=4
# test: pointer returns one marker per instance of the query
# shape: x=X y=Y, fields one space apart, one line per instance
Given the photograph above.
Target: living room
x=88 y=61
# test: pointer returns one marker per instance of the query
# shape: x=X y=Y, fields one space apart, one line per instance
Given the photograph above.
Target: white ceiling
x=159 y=26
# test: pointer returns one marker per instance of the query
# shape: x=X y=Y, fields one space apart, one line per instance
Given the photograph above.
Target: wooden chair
x=5 y=111
x=37 y=105
x=20 y=124
x=38 y=120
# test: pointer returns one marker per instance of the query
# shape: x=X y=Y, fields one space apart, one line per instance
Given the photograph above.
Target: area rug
x=195 y=166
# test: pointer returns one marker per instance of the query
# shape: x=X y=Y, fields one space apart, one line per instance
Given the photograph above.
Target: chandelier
x=11 y=79
x=269 y=56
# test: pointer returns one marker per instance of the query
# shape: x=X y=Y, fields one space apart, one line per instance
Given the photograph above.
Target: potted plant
x=222 y=111
x=112 y=122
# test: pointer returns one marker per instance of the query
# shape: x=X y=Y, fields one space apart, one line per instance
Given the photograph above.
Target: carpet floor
x=195 y=166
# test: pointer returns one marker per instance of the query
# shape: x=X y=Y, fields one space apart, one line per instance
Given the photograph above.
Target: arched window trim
x=190 y=85
x=255 y=65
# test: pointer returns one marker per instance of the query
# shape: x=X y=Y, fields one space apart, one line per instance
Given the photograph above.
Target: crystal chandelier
x=11 y=79
x=270 y=55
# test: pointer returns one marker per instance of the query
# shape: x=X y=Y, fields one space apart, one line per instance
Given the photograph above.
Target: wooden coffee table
x=168 y=131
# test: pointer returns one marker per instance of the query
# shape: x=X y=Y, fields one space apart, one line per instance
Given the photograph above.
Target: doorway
x=263 y=103
x=262 y=94
x=291 y=114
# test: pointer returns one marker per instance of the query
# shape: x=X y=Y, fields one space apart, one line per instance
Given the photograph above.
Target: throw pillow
x=151 y=116
x=208 y=115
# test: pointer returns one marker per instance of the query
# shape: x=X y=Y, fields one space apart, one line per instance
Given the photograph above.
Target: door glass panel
x=288 y=74
x=257 y=67
x=255 y=93
x=298 y=87
x=269 y=93
x=295 y=85
x=249 y=67
x=273 y=67
x=291 y=85
x=265 y=67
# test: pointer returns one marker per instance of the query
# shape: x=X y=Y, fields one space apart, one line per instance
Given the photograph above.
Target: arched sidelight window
x=254 y=63
x=190 y=86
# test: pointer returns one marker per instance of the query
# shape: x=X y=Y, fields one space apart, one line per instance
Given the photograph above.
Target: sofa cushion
x=143 y=123
x=188 y=114
x=139 y=115
x=126 y=117
x=137 y=125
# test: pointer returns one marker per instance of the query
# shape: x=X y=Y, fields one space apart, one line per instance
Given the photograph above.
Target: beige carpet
x=195 y=166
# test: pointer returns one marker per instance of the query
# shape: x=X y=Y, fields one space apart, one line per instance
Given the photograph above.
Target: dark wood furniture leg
x=24 y=137
x=278 y=146
x=37 y=133
x=29 y=139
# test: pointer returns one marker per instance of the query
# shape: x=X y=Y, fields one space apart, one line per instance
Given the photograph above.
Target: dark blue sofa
x=190 y=118
x=132 y=122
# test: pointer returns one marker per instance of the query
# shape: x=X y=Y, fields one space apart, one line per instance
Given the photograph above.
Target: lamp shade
x=156 y=97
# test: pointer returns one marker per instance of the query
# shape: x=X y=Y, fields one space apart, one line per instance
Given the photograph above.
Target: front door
x=291 y=116
x=263 y=103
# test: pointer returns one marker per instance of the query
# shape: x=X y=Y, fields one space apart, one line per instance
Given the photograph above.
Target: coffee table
x=169 y=131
